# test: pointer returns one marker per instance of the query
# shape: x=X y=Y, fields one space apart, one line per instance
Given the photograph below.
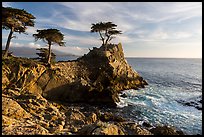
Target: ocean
x=173 y=85
x=171 y=81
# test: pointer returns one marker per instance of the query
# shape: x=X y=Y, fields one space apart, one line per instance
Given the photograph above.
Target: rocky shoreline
x=71 y=97
x=192 y=102
x=28 y=114
x=95 y=78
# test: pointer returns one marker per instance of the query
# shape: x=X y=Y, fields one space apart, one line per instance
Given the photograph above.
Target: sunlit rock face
x=96 y=77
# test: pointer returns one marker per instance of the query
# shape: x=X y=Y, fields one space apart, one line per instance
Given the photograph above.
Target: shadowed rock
x=165 y=130
x=193 y=102
x=95 y=78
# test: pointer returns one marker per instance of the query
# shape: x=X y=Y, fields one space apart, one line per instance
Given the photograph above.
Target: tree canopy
x=15 y=20
x=106 y=31
x=50 y=36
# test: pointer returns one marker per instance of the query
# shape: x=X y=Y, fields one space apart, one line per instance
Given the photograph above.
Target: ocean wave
x=122 y=103
x=169 y=80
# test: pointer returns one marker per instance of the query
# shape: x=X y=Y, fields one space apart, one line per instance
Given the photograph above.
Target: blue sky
x=150 y=29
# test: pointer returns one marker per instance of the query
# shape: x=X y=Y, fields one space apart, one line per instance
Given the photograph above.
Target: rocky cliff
x=34 y=97
x=96 y=77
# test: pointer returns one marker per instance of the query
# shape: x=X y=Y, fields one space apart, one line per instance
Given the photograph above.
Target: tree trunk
x=49 y=54
x=101 y=37
x=8 y=42
x=106 y=42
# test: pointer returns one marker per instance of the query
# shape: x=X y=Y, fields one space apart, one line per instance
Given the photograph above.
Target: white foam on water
x=162 y=108
x=122 y=103
x=170 y=81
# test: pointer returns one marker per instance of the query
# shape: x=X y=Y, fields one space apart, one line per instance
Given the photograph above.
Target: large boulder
x=21 y=73
x=100 y=128
x=166 y=130
x=96 y=77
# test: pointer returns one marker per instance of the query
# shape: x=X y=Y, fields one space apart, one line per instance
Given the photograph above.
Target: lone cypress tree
x=15 y=20
x=50 y=36
x=106 y=31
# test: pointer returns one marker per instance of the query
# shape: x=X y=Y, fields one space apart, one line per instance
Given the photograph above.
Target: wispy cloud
x=7 y=4
x=140 y=22
x=29 y=45
x=80 y=40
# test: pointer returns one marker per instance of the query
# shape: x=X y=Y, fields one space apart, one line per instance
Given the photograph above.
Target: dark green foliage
x=43 y=55
x=15 y=20
x=50 y=36
x=18 y=19
x=106 y=31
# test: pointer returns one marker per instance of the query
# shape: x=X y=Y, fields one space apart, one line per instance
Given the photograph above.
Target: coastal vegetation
x=50 y=36
x=106 y=31
x=15 y=20
x=43 y=55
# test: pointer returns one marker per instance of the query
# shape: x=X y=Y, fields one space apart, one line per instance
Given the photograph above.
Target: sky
x=149 y=29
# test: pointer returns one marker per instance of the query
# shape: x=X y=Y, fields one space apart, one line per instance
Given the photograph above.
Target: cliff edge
x=96 y=77
x=29 y=88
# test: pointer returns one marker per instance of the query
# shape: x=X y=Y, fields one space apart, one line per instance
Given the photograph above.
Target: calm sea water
x=170 y=81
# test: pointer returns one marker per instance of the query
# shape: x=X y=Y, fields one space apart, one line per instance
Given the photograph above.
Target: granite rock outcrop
x=95 y=78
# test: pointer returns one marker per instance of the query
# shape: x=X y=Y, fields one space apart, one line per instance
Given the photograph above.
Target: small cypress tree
x=50 y=36
x=43 y=55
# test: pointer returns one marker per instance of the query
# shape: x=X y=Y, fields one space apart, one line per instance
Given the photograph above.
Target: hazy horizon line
x=125 y=56
x=170 y=57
